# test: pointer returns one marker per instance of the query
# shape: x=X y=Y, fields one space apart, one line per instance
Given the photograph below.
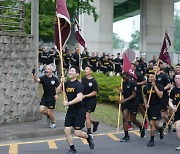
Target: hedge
x=108 y=88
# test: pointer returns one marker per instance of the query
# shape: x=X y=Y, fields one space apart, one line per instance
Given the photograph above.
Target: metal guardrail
x=12 y=16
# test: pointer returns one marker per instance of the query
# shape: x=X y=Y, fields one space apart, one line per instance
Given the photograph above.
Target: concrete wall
x=18 y=92
x=157 y=16
x=99 y=35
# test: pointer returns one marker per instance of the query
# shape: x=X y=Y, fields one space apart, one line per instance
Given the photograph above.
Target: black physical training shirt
x=128 y=88
x=154 y=97
x=72 y=89
x=49 y=85
x=163 y=80
x=119 y=61
x=90 y=85
x=140 y=78
x=175 y=96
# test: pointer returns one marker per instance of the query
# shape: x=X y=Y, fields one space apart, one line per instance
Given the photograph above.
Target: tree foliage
x=135 y=42
x=117 y=42
x=47 y=14
x=176 y=33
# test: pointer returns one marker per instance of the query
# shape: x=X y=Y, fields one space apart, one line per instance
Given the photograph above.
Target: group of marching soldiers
x=155 y=94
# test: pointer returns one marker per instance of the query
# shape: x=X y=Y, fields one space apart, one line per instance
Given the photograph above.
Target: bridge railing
x=12 y=16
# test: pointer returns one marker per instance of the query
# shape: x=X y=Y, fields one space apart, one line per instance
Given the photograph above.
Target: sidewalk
x=25 y=130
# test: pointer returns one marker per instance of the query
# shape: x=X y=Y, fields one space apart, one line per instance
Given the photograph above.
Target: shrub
x=108 y=88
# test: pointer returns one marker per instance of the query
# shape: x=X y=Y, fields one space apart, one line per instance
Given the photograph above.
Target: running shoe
x=150 y=143
x=90 y=141
x=146 y=125
x=125 y=139
x=52 y=125
x=161 y=131
x=129 y=127
x=178 y=148
x=95 y=125
x=71 y=151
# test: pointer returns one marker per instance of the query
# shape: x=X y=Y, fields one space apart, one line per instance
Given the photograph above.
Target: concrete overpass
x=156 y=16
x=127 y=8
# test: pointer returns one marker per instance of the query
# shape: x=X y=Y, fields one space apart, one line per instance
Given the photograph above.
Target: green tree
x=134 y=44
x=117 y=42
x=47 y=15
x=176 y=33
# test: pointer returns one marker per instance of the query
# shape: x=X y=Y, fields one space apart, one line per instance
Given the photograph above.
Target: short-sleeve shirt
x=140 y=78
x=128 y=88
x=175 y=96
x=163 y=80
x=72 y=89
x=154 y=97
x=49 y=85
x=90 y=85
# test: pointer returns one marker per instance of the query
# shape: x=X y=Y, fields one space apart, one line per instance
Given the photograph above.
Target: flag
x=65 y=24
x=127 y=67
x=77 y=32
x=164 y=55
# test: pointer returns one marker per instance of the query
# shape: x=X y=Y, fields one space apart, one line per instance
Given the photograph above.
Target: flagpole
x=119 y=111
x=170 y=118
x=61 y=57
x=150 y=93
x=79 y=52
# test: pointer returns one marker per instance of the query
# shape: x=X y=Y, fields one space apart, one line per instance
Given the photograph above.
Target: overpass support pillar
x=99 y=35
x=157 y=16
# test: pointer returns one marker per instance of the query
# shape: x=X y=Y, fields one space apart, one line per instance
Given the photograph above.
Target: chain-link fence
x=12 y=16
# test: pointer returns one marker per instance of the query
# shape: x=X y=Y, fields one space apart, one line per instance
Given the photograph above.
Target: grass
x=106 y=113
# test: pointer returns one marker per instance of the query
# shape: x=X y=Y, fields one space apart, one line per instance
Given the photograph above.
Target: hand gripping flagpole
x=119 y=111
x=170 y=118
x=149 y=98
x=61 y=57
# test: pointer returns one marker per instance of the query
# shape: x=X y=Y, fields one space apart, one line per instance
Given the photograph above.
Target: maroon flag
x=127 y=67
x=65 y=24
x=78 y=35
x=164 y=55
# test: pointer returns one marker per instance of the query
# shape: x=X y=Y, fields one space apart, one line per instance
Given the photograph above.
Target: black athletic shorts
x=164 y=103
x=177 y=116
x=89 y=104
x=131 y=106
x=154 y=112
x=48 y=101
x=140 y=99
x=75 y=118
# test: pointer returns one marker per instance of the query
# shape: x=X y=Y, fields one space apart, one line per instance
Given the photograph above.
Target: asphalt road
x=107 y=143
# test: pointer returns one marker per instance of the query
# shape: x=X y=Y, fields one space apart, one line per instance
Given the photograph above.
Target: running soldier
x=76 y=113
x=129 y=105
x=47 y=104
x=163 y=79
x=154 y=106
x=173 y=102
x=89 y=98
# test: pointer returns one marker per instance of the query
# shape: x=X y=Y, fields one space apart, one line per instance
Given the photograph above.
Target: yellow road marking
x=52 y=144
x=13 y=149
x=136 y=133
x=113 y=137
x=59 y=139
x=84 y=140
